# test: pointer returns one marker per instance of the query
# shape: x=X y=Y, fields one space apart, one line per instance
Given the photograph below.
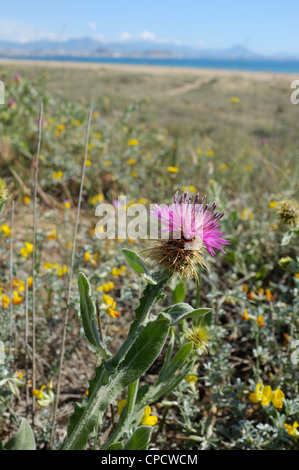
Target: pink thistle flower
x=189 y=220
x=17 y=77
x=12 y=102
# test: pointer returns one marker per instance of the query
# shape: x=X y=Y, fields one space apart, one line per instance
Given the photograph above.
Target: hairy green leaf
x=135 y=261
x=182 y=310
x=140 y=439
x=23 y=439
x=88 y=314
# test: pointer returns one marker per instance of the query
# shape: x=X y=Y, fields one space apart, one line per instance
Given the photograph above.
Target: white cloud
x=143 y=36
x=92 y=26
x=126 y=36
x=147 y=36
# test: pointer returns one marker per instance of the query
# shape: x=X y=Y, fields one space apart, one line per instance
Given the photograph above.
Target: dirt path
x=185 y=88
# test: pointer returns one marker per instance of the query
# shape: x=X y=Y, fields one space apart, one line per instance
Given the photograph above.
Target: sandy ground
x=153 y=69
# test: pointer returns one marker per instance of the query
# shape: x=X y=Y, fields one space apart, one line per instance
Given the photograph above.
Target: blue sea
x=275 y=66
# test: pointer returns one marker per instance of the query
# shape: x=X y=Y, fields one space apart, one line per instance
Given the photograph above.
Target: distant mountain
x=92 y=48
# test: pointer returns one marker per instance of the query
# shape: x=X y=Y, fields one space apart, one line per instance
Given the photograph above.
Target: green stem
x=149 y=298
x=125 y=417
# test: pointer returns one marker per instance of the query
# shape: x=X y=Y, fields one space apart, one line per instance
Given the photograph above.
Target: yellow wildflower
x=5 y=301
x=269 y=295
x=264 y=395
x=246 y=316
x=107 y=300
x=86 y=256
x=292 y=430
x=57 y=175
x=26 y=250
x=148 y=419
x=133 y=142
x=246 y=215
x=26 y=200
x=44 y=398
x=95 y=199
x=52 y=235
x=260 y=321
x=235 y=100
x=210 y=153
x=223 y=167
x=17 y=299
x=6 y=230
x=173 y=169
x=118 y=271
x=277 y=398
x=112 y=312
x=29 y=247
x=131 y=161
x=106 y=287
x=191 y=379
x=273 y=204
x=261 y=395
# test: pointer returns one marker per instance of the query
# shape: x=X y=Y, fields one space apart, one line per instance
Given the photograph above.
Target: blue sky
x=266 y=26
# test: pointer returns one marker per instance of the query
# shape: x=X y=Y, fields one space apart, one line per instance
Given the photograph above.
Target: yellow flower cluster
x=118 y=271
x=26 y=200
x=44 y=398
x=132 y=142
x=259 y=319
x=98 y=198
x=26 y=250
x=52 y=235
x=57 y=175
x=5 y=230
x=147 y=419
x=110 y=305
x=292 y=430
x=265 y=395
x=87 y=257
x=60 y=270
x=4 y=299
x=131 y=161
x=173 y=169
x=106 y=287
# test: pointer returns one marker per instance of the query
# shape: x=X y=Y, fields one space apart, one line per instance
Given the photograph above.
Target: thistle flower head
x=288 y=213
x=199 y=336
x=192 y=227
